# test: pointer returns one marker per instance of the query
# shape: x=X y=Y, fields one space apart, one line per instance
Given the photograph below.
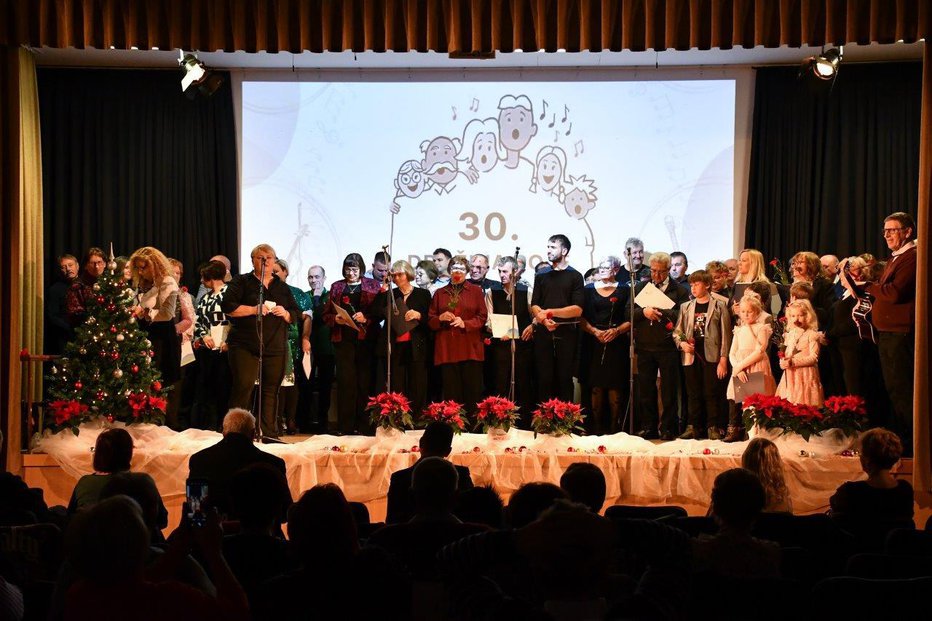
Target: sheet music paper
x=651 y=296
x=754 y=385
x=348 y=321
x=502 y=325
x=219 y=334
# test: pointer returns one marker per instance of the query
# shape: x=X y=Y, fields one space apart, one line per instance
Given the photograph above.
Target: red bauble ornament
x=156 y=386
x=115 y=355
x=103 y=354
x=113 y=329
x=134 y=368
x=111 y=308
x=78 y=385
x=100 y=395
x=151 y=354
x=100 y=299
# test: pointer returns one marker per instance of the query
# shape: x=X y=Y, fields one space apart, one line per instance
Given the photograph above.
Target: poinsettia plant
x=558 y=418
x=770 y=412
x=146 y=408
x=496 y=413
x=68 y=414
x=390 y=410
x=449 y=412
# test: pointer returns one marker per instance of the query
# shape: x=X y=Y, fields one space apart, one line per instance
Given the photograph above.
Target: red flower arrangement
x=449 y=412
x=496 y=413
x=390 y=410
x=766 y=412
x=68 y=414
x=146 y=408
x=557 y=418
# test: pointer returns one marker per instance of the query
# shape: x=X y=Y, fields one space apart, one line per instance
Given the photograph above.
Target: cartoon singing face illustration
x=581 y=198
x=439 y=163
x=410 y=179
x=481 y=145
x=549 y=170
x=516 y=125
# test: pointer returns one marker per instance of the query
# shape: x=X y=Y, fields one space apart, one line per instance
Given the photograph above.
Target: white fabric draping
x=636 y=471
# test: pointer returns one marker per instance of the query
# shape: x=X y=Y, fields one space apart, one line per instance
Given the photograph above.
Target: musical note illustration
x=474 y=106
x=566 y=113
x=556 y=136
x=454 y=113
x=570 y=128
x=554 y=121
x=544 y=113
x=579 y=147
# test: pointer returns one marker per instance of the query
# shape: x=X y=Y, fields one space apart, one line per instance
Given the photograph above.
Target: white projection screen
x=485 y=167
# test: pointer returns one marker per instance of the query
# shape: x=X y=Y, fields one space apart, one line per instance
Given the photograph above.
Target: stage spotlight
x=198 y=79
x=824 y=66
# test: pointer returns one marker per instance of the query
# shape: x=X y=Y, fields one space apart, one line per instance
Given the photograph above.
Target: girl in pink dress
x=748 y=355
x=800 y=359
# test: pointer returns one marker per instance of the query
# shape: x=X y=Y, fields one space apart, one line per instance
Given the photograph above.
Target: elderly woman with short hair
x=407 y=321
x=426 y=275
x=278 y=310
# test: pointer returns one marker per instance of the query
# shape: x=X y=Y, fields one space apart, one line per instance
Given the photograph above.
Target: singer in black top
x=556 y=304
x=498 y=301
x=241 y=304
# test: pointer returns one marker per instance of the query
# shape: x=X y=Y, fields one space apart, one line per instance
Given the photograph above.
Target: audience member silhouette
x=219 y=462
x=762 y=457
x=869 y=509
x=113 y=452
x=530 y=501
x=584 y=483
x=437 y=441
x=480 y=505
x=108 y=546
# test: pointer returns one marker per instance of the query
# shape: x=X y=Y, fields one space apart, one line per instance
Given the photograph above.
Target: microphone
x=517 y=250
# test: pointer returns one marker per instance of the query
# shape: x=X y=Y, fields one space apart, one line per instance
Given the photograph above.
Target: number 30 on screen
x=492 y=221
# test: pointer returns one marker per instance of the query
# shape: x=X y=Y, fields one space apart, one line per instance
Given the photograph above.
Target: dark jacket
x=419 y=301
x=370 y=289
x=218 y=463
x=401 y=501
x=655 y=335
x=895 y=295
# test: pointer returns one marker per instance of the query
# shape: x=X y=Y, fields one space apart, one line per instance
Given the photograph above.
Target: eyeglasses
x=888 y=232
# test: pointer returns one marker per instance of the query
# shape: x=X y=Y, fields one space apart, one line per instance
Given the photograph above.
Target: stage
x=637 y=471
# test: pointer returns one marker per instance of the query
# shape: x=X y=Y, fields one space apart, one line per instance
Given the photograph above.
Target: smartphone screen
x=196 y=492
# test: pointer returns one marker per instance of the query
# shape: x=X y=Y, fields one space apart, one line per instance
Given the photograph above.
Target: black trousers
x=896 y=360
x=667 y=363
x=323 y=372
x=705 y=393
x=409 y=377
x=354 y=376
x=462 y=382
x=244 y=366
x=555 y=358
x=524 y=386
x=212 y=393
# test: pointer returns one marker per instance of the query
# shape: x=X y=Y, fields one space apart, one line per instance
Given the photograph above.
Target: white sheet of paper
x=187 y=352
x=306 y=364
x=653 y=297
x=219 y=335
x=502 y=324
x=269 y=304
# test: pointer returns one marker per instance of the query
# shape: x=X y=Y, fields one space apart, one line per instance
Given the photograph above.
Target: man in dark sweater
x=437 y=441
x=218 y=463
x=556 y=305
x=656 y=351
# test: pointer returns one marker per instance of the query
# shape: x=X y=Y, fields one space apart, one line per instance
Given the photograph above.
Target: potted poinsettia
x=390 y=411
x=846 y=413
x=449 y=412
x=496 y=416
x=557 y=418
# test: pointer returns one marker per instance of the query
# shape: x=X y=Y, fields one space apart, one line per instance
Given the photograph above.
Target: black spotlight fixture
x=823 y=67
x=198 y=79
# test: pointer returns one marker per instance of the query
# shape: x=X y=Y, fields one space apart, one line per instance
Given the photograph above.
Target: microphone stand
x=259 y=329
x=513 y=331
x=629 y=408
x=390 y=309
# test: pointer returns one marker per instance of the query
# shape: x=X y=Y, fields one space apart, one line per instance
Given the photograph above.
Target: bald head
x=239 y=421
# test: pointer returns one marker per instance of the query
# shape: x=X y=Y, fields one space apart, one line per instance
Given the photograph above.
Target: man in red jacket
x=894 y=316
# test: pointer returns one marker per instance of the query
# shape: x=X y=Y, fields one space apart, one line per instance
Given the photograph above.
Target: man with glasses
x=894 y=316
x=656 y=352
x=58 y=331
x=83 y=287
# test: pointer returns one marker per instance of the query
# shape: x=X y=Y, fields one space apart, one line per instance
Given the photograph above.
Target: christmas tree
x=107 y=369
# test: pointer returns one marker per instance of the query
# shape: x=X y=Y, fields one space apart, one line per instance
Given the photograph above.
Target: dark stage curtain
x=128 y=158
x=480 y=26
x=827 y=167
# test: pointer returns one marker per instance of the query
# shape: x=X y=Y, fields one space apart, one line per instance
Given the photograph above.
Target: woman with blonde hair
x=154 y=308
x=751 y=269
x=762 y=457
